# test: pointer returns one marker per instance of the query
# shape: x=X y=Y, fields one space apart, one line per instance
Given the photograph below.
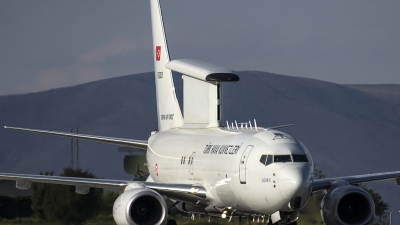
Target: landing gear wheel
x=294 y=223
x=171 y=222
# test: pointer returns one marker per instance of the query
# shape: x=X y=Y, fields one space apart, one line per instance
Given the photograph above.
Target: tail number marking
x=167 y=117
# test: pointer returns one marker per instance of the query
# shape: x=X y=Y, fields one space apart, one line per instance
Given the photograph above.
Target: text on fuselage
x=167 y=117
x=221 y=149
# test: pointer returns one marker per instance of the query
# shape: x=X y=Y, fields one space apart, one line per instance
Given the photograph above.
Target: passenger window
x=263 y=159
x=300 y=158
x=282 y=158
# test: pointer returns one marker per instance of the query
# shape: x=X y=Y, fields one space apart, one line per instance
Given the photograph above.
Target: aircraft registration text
x=167 y=117
x=266 y=180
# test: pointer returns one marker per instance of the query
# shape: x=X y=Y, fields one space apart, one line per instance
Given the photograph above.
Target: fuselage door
x=190 y=163
x=243 y=163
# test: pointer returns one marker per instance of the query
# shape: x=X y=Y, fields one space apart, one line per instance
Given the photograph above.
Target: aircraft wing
x=185 y=192
x=321 y=184
x=119 y=141
x=97 y=183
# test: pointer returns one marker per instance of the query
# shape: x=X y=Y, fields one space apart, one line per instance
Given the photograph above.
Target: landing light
x=193 y=190
x=223 y=215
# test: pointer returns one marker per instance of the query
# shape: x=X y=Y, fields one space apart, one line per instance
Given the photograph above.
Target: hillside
x=389 y=93
x=349 y=129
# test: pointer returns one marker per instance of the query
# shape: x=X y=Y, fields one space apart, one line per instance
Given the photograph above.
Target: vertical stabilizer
x=168 y=110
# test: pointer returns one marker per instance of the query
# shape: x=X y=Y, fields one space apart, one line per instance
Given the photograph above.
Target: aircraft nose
x=291 y=181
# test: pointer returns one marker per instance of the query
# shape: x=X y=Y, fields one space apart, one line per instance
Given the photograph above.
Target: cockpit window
x=300 y=158
x=282 y=158
x=263 y=159
x=266 y=159
x=269 y=160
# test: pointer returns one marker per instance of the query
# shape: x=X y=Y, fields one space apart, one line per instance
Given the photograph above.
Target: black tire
x=294 y=223
x=171 y=222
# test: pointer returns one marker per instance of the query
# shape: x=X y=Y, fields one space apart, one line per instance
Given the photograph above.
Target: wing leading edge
x=89 y=182
x=118 y=141
x=186 y=192
x=321 y=184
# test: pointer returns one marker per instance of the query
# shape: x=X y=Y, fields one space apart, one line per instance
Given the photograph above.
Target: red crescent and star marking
x=158 y=53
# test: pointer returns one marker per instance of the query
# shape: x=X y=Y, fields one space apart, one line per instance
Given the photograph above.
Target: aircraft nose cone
x=291 y=180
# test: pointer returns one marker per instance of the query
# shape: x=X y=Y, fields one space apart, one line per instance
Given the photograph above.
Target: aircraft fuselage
x=250 y=170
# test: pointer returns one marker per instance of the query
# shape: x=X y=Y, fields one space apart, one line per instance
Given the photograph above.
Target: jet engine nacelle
x=346 y=204
x=140 y=206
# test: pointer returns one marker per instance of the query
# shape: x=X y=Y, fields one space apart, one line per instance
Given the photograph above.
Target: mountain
x=348 y=129
x=389 y=93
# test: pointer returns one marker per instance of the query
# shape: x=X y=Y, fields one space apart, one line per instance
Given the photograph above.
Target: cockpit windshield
x=266 y=159
x=269 y=159
x=282 y=158
x=300 y=158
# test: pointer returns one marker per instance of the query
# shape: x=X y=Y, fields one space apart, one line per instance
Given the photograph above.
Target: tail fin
x=168 y=110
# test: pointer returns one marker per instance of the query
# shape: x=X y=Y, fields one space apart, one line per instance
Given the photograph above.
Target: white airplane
x=240 y=170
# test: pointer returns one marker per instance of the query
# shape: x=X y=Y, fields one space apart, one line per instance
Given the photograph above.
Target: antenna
x=77 y=150
x=255 y=124
x=237 y=127
x=72 y=149
x=250 y=125
x=227 y=124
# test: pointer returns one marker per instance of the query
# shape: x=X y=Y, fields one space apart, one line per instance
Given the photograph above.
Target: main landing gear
x=173 y=222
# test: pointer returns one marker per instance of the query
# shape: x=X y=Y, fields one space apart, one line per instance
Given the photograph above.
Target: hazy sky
x=47 y=44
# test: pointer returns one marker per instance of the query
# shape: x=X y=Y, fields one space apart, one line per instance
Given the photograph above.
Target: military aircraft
x=213 y=167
